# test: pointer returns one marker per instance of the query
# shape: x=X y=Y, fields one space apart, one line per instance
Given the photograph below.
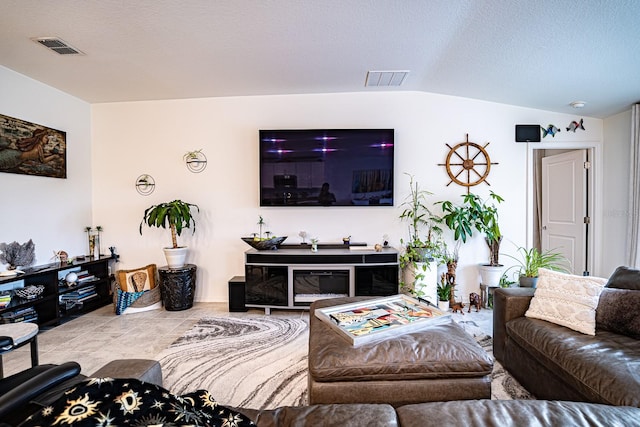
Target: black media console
x=294 y=278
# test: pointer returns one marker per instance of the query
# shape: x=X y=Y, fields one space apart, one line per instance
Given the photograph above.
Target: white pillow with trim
x=567 y=300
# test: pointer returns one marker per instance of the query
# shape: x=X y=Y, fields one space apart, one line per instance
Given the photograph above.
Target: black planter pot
x=528 y=282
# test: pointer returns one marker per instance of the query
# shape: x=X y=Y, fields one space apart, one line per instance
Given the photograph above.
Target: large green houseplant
x=478 y=215
x=176 y=215
x=531 y=260
x=475 y=214
x=423 y=246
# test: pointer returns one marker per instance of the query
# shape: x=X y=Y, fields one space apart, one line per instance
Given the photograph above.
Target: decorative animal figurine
x=458 y=306
x=550 y=130
x=475 y=300
x=451 y=272
x=573 y=126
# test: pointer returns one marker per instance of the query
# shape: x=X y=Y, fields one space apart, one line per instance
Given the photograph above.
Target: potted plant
x=444 y=294
x=505 y=282
x=177 y=216
x=479 y=215
x=420 y=254
x=532 y=260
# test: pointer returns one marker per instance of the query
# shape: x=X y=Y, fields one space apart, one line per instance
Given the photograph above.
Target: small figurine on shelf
x=385 y=240
x=303 y=235
x=314 y=244
x=114 y=255
x=61 y=256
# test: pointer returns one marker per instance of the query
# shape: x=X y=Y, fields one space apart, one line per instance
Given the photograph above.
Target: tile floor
x=100 y=336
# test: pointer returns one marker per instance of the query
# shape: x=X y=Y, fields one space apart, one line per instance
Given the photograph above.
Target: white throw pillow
x=567 y=300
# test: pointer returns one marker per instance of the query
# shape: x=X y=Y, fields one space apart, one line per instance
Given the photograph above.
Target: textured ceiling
x=540 y=54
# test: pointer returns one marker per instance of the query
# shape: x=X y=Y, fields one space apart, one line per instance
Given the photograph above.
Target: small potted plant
x=175 y=215
x=532 y=260
x=444 y=294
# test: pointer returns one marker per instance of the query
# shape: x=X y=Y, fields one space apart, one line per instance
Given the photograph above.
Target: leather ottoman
x=436 y=364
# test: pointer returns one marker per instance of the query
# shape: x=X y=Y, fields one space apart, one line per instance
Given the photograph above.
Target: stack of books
x=84 y=276
x=5 y=299
x=23 y=315
x=70 y=299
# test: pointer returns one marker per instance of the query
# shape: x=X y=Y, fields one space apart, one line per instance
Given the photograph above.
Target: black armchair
x=20 y=392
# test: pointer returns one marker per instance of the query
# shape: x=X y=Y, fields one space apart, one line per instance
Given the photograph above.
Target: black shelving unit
x=47 y=307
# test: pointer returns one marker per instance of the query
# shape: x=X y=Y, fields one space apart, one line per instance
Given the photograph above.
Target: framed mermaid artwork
x=32 y=149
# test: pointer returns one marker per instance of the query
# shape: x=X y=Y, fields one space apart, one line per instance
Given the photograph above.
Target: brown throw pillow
x=624 y=278
x=618 y=312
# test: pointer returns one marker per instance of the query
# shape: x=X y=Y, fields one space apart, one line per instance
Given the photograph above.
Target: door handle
x=544 y=227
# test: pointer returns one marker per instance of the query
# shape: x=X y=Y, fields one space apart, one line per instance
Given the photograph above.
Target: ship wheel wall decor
x=468 y=164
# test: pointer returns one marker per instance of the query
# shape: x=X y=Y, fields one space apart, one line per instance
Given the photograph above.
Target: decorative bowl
x=263 y=245
x=30 y=292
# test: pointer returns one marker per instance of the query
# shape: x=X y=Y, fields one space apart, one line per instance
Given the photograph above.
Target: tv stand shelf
x=48 y=309
x=294 y=277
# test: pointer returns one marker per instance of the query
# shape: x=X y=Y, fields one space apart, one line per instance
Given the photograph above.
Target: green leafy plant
x=475 y=214
x=505 y=282
x=176 y=215
x=531 y=260
x=444 y=291
x=419 y=247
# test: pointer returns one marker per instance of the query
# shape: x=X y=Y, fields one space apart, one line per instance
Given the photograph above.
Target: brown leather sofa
x=467 y=413
x=556 y=363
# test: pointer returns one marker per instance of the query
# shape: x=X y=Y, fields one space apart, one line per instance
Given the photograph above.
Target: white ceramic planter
x=443 y=305
x=490 y=276
x=175 y=257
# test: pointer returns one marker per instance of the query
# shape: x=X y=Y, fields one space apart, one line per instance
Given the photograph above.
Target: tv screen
x=326 y=167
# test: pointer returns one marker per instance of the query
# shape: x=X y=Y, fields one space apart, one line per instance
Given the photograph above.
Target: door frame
x=594 y=204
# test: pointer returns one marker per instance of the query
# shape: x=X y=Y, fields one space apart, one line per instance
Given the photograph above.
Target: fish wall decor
x=575 y=125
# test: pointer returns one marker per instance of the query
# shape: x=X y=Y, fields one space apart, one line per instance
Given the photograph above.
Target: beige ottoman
x=436 y=364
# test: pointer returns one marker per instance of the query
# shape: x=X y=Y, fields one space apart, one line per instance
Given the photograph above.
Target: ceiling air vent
x=385 y=78
x=58 y=45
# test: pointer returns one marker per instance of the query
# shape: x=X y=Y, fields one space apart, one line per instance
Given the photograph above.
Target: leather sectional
x=556 y=363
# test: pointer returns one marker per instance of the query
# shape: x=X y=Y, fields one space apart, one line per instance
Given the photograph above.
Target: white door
x=564 y=207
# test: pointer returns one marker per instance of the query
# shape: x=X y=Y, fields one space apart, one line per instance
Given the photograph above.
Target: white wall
x=51 y=211
x=130 y=139
x=617 y=144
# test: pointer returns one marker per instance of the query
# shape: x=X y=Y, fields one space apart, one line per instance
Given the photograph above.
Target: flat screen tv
x=326 y=167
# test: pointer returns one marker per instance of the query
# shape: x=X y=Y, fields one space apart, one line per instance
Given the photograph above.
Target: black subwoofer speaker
x=236 y=294
x=527 y=133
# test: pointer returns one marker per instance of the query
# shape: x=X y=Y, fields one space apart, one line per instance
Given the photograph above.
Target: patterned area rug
x=262 y=362
x=243 y=362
